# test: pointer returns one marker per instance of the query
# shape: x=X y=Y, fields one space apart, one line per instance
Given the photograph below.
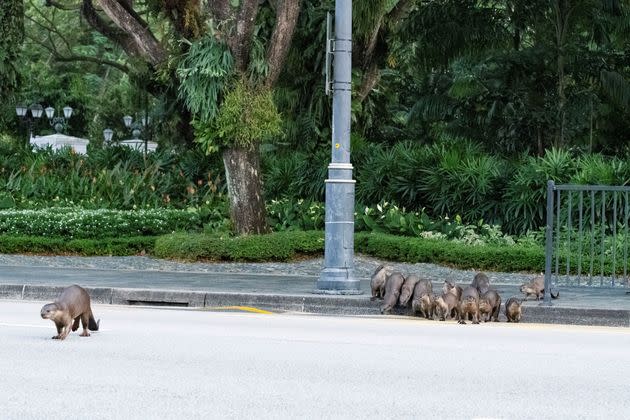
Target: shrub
x=440 y=251
x=272 y=247
x=87 y=247
x=85 y=224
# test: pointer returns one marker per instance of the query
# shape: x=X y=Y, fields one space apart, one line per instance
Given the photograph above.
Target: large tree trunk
x=244 y=181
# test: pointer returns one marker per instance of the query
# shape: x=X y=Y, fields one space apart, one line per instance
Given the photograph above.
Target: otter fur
x=407 y=289
x=393 y=284
x=422 y=301
x=537 y=288
x=469 y=305
x=513 y=309
x=377 y=282
x=481 y=282
x=72 y=305
x=490 y=304
x=450 y=287
x=446 y=306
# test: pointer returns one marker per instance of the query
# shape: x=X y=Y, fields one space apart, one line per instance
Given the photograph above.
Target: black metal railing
x=586 y=235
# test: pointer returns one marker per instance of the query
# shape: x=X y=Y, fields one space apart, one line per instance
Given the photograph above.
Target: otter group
x=476 y=302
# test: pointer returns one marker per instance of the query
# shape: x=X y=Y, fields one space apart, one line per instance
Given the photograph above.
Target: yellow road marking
x=242 y=308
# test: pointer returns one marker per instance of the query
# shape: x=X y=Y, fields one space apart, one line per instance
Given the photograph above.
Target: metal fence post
x=549 y=241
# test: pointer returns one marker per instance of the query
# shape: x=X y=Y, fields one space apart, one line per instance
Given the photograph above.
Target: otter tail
x=93 y=324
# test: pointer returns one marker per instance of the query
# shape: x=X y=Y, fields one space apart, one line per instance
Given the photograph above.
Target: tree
x=256 y=34
x=11 y=38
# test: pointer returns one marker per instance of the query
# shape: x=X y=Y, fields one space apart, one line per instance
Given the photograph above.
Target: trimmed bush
x=272 y=247
x=89 y=224
x=524 y=257
x=86 y=247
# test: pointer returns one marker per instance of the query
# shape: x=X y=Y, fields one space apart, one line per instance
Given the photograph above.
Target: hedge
x=285 y=246
x=86 y=247
x=481 y=257
x=281 y=246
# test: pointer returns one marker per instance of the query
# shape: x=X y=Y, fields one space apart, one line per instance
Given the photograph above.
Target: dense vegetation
x=462 y=109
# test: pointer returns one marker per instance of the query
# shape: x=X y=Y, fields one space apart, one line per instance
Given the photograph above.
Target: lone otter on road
x=71 y=305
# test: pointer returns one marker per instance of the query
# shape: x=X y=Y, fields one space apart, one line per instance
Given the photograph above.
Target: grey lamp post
x=337 y=276
x=59 y=123
x=36 y=114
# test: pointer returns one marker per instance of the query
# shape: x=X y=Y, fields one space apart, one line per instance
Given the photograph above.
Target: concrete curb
x=316 y=304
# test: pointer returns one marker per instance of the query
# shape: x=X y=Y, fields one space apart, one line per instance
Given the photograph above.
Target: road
x=167 y=363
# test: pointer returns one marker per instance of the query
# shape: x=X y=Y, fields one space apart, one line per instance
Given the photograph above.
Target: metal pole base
x=337 y=281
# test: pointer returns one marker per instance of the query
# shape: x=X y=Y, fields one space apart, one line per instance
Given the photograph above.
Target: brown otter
x=407 y=289
x=377 y=282
x=71 y=305
x=446 y=306
x=537 y=288
x=422 y=301
x=481 y=282
x=393 y=284
x=450 y=287
x=513 y=310
x=490 y=303
x=469 y=305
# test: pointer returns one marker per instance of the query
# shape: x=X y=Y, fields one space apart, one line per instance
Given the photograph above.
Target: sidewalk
x=271 y=286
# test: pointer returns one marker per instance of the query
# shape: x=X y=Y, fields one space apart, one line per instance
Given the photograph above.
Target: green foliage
x=76 y=223
x=204 y=74
x=440 y=251
x=296 y=174
x=116 y=177
x=11 y=38
x=88 y=247
x=247 y=116
x=272 y=247
x=301 y=215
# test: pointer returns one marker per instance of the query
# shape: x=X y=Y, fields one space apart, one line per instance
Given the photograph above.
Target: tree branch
x=57 y=56
x=137 y=31
x=60 y=6
x=240 y=43
x=287 y=13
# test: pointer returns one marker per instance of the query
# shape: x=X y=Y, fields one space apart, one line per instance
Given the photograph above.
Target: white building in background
x=59 y=141
x=138 y=144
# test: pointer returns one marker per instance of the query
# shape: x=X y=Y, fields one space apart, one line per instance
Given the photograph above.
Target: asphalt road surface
x=149 y=363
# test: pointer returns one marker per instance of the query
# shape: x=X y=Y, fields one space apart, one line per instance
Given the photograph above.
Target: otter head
x=525 y=288
x=447 y=286
x=49 y=311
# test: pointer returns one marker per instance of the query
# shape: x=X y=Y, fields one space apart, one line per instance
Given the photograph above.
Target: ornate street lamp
x=58 y=123
x=107 y=136
x=36 y=113
x=138 y=128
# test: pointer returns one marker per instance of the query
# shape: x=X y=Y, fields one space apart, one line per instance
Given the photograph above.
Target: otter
x=446 y=306
x=71 y=305
x=422 y=301
x=450 y=287
x=490 y=303
x=377 y=282
x=393 y=284
x=481 y=282
x=407 y=289
x=513 y=309
x=537 y=288
x=469 y=305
